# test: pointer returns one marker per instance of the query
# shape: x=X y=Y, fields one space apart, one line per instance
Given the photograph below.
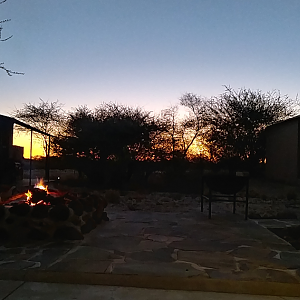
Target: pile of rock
x=65 y=217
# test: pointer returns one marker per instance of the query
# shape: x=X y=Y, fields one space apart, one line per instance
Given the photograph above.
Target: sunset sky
x=23 y=139
x=146 y=52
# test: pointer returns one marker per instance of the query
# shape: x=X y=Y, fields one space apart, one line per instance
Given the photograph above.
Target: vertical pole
x=202 y=192
x=30 y=158
x=247 y=199
x=234 y=202
x=48 y=156
x=209 y=204
x=47 y=162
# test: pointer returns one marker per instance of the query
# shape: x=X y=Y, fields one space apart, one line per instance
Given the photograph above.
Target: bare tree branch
x=8 y=71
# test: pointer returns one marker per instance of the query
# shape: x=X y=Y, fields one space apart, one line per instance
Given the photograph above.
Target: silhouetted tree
x=105 y=141
x=166 y=142
x=175 y=136
x=111 y=131
x=45 y=116
x=237 y=122
x=193 y=126
x=8 y=71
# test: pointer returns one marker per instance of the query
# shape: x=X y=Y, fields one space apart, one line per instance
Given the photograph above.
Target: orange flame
x=29 y=195
x=41 y=185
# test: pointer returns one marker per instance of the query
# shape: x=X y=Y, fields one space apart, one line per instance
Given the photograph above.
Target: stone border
x=156 y=282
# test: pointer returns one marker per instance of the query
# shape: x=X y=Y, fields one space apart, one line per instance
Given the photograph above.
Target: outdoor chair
x=223 y=187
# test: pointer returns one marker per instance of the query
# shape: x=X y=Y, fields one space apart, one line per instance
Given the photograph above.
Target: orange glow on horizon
x=23 y=139
x=198 y=149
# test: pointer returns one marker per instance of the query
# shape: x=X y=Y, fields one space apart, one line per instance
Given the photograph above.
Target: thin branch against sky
x=146 y=53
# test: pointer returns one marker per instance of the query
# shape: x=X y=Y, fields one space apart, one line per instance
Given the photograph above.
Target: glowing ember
x=34 y=204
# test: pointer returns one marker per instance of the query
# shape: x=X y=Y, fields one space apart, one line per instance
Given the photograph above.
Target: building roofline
x=284 y=121
x=15 y=121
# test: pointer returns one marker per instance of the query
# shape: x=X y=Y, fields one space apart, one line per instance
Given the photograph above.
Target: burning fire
x=40 y=194
x=29 y=195
x=39 y=185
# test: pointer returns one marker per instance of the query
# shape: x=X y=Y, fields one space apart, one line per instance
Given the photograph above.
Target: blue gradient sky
x=146 y=52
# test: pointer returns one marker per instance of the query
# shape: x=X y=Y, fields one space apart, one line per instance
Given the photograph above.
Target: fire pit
x=42 y=213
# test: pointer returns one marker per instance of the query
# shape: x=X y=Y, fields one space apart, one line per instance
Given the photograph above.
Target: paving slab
x=119 y=243
x=275 y=223
x=156 y=255
x=226 y=253
x=17 y=264
x=80 y=265
x=215 y=260
x=177 y=269
x=291 y=259
x=7 y=287
x=93 y=253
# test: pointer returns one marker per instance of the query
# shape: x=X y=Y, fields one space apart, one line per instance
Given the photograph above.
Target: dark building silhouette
x=283 y=151
x=11 y=156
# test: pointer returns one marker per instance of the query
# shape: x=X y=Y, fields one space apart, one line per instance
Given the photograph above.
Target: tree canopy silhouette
x=237 y=120
x=110 y=131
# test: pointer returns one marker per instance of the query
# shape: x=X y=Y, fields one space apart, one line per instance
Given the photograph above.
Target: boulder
x=59 y=213
x=88 y=226
x=4 y=234
x=20 y=210
x=36 y=234
x=67 y=233
x=77 y=207
x=2 y=211
x=40 y=211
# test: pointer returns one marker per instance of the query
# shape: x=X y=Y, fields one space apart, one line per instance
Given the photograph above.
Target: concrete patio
x=174 y=251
